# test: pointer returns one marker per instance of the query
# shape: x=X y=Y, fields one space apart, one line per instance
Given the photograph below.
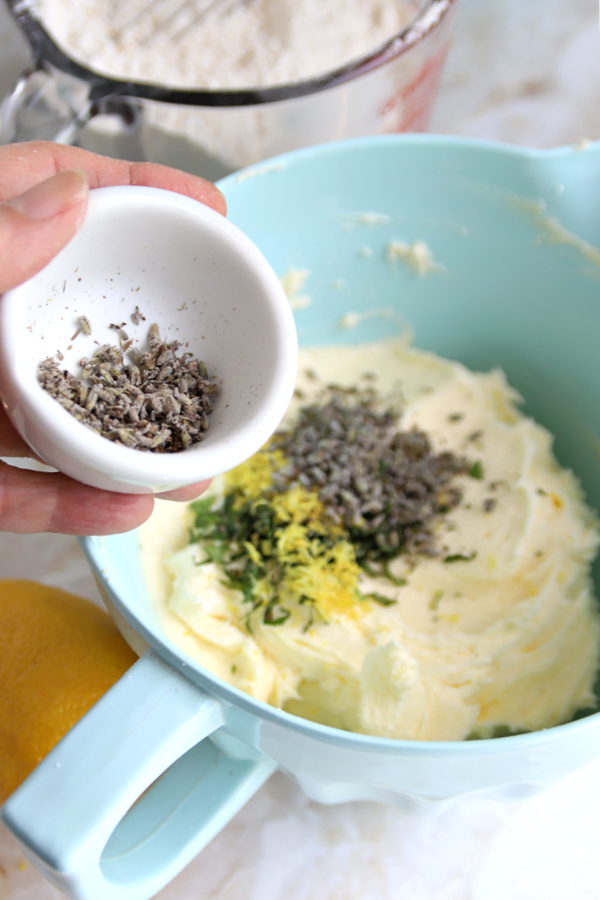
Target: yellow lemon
x=58 y=655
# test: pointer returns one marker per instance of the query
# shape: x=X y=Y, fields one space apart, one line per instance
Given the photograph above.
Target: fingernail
x=52 y=196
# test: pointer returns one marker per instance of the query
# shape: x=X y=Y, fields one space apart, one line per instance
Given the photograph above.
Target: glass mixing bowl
x=213 y=132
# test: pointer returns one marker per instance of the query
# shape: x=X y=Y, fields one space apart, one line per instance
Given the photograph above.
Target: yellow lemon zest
x=253 y=477
x=307 y=559
x=298 y=505
x=253 y=553
x=293 y=546
x=328 y=580
x=263 y=590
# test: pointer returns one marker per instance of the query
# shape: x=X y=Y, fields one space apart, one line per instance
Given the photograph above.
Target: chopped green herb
x=460 y=557
x=381 y=599
x=435 y=600
x=344 y=491
x=476 y=470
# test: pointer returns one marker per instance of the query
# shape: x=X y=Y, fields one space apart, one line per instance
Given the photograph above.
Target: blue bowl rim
x=93 y=546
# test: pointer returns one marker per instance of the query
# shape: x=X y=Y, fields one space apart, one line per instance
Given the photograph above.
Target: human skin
x=44 y=189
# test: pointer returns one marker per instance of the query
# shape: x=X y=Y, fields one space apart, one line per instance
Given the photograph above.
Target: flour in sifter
x=263 y=42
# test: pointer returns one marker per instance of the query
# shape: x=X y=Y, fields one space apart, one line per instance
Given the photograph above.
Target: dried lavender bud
x=160 y=401
x=137 y=316
x=84 y=325
x=385 y=487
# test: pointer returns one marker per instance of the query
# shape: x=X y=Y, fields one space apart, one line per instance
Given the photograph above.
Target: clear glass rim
x=47 y=52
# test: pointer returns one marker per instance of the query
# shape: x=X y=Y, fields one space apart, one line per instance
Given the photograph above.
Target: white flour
x=262 y=42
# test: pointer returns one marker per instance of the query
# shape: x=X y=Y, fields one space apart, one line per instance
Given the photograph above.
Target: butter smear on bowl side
x=437 y=589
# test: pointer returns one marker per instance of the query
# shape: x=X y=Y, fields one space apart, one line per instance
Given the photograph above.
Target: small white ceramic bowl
x=203 y=282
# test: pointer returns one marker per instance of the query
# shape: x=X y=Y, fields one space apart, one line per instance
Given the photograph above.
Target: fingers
x=37 y=224
x=23 y=165
x=186 y=494
x=11 y=442
x=43 y=197
x=32 y=502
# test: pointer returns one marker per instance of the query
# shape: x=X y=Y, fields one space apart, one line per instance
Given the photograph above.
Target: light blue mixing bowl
x=516 y=235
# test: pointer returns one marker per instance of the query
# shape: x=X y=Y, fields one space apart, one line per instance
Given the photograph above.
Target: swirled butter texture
x=499 y=630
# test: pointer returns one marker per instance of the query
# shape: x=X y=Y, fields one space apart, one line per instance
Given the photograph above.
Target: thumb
x=38 y=223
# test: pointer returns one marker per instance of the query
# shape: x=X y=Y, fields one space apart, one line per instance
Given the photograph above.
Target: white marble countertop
x=527 y=73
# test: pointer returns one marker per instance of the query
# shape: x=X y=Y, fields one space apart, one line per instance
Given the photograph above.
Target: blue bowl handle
x=134 y=790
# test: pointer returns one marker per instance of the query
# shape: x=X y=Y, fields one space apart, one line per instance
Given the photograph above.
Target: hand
x=43 y=198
